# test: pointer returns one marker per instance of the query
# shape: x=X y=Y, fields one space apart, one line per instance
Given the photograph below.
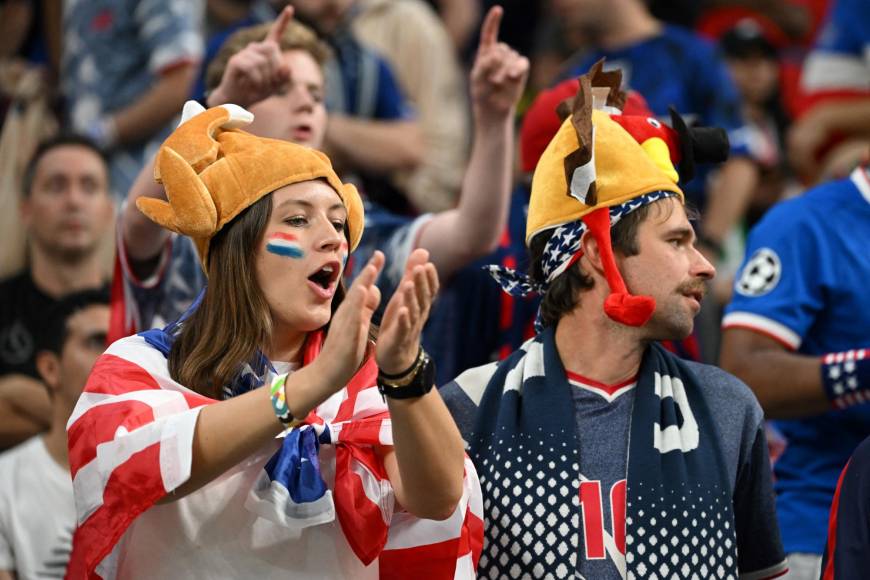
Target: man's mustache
x=693 y=287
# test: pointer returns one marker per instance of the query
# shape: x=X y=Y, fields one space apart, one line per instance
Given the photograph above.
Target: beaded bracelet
x=279 y=403
x=405 y=376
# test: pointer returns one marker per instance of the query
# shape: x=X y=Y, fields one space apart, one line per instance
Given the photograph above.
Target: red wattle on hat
x=620 y=305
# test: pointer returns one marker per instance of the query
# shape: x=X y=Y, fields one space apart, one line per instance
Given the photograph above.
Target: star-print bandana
x=563 y=249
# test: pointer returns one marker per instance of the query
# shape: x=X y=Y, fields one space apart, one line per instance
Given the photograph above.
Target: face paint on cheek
x=284 y=245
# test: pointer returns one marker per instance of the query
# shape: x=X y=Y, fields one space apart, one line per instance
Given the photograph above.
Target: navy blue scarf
x=679 y=514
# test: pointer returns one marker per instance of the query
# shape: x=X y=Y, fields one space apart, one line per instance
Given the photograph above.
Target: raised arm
x=473 y=229
x=142 y=238
x=251 y=75
x=425 y=466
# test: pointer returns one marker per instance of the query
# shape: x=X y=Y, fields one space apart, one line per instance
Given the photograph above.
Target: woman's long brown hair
x=233 y=320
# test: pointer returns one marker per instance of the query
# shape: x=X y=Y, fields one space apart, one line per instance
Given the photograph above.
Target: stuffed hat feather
x=212 y=171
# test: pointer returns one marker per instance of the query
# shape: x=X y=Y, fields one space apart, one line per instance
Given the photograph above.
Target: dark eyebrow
x=309 y=205
x=97 y=335
x=302 y=202
x=680 y=232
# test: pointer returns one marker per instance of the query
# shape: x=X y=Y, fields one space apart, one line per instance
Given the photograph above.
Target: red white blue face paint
x=284 y=245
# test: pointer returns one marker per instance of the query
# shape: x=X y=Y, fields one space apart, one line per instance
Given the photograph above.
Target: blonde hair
x=296 y=36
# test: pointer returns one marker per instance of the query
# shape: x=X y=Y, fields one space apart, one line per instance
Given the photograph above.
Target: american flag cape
x=130 y=440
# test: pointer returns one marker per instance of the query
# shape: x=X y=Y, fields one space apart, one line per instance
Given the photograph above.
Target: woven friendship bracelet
x=279 y=403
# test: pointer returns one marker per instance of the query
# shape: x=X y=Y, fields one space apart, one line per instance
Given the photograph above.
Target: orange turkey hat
x=212 y=171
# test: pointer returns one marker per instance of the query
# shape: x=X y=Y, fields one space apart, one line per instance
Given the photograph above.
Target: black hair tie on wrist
x=404 y=372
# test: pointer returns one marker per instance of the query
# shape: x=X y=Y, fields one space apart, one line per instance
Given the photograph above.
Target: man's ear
x=591 y=254
x=48 y=366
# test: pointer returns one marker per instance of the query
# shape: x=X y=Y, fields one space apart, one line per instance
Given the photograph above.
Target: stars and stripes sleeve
x=409 y=547
x=130 y=443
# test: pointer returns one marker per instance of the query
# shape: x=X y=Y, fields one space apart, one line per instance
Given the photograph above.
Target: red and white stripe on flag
x=130 y=439
x=131 y=436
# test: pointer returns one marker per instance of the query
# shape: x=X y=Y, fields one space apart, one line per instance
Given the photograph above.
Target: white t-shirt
x=37 y=512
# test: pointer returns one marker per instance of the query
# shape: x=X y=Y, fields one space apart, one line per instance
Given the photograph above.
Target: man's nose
x=302 y=99
x=702 y=266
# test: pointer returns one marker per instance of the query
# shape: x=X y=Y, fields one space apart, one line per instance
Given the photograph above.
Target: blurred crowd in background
x=788 y=79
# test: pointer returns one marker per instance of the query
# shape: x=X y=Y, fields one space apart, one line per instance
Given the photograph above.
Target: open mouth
x=326 y=275
x=697 y=295
x=302 y=132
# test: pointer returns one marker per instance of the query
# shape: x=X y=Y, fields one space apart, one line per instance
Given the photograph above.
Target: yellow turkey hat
x=212 y=171
x=591 y=165
x=621 y=170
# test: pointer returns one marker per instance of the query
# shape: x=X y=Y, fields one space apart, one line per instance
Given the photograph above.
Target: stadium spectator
x=794 y=333
x=37 y=510
x=474 y=322
x=600 y=454
x=671 y=66
x=832 y=133
x=66 y=210
x=127 y=68
x=274 y=346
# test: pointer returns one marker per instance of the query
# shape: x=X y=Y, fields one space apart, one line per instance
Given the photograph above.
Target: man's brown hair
x=296 y=36
x=564 y=292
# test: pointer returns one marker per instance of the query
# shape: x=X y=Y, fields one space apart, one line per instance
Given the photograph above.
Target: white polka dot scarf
x=678 y=499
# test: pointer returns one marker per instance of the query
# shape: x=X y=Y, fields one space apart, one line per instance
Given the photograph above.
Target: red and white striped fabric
x=130 y=441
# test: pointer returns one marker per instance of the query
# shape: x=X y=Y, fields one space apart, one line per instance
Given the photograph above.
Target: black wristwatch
x=414 y=382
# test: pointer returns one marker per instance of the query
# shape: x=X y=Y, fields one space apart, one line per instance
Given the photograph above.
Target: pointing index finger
x=280 y=25
x=489 y=29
